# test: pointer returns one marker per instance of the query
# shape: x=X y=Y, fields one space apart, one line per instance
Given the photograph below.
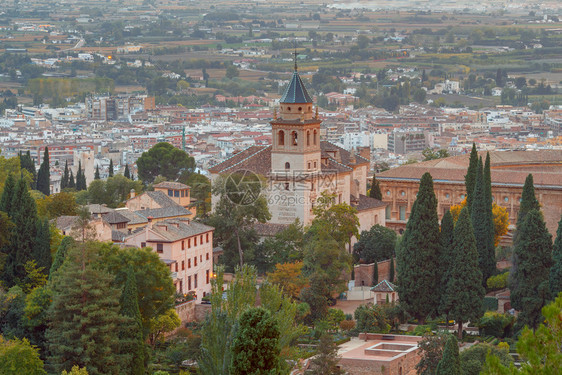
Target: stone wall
x=201 y=312
x=364 y=273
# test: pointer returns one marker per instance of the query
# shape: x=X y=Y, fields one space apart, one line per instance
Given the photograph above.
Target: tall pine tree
x=43 y=176
x=71 y=183
x=8 y=195
x=481 y=225
x=26 y=162
x=22 y=241
x=66 y=243
x=79 y=177
x=530 y=277
x=450 y=363
x=83 y=182
x=65 y=176
x=447 y=258
x=465 y=292
x=130 y=308
x=42 y=249
x=418 y=256
x=528 y=201
x=555 y=279
x=375 y=191
x=470 y=177
x=97 y=174
x=85 y=327
x=110 y=174
x=127 y=173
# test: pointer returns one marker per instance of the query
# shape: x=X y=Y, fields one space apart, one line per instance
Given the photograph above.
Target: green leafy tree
x=61 y=204
x=255 y=348
x=555 y=277
x=375 y=245
x=431 y=352
x=470 y=177
x=450 y=362
x=110 y=171
x=8 y=195
x=130 y=307
x=162 y=324
x=75 y=370
x=418 y=256
x=375 y=191
x=429 y=154
x=464 y=288
x=66 y=243
x=447 y=259
x=480 y=215
x=43 y=176
x=12 y=305
x=19 y=357
x=165 y=160
x=539 y=349
x=326 y=361
x=28 y=164
x=37 y=303
x=371 y=318
x=529 y=283
x=94 y=340
x=474 y=358
x=200 y=193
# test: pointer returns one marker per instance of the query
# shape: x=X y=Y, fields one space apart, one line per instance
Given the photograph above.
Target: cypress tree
x=79 y=177
x=71 y=183
x=555 y=278
x=418 y=256
x=83 y=181
x=26 y=162
x=446 y=258
x=391 y=270
x=470 y=177
x=489 y=200
x=65 y=176
x=450 y=363
x=110 y=168
x=42 y=249
x=85 y=327
x=528 y=201
x=130 y=308
x=97 y=174
x=66 y=243
x=375 y=189
x=43 y=176
x=127 y=173
x=375 y=273
x=464 y=288
x=481 y=225
x=530 y=278
x=8 y=195
x=23 y=238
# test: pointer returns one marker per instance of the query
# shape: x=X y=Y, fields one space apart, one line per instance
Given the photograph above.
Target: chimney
x=132 y=193
x=149 y=222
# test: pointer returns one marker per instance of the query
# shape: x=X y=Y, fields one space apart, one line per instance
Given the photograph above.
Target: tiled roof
x=171 y=185
x=161 y=199
x=98 y=209
x=344 y=155
x=133 y=217
x=384 y=286
x=296 y=91
x=66 y=222
x=366 y=203
x=117 y=235
x=169 y=211
x=115 y=217
x=238 y=158
x=176 y=229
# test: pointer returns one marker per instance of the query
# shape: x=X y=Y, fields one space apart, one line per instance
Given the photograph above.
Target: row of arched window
x=294 y=138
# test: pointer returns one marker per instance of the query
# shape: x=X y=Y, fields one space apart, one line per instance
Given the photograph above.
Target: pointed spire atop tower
x=295 y=58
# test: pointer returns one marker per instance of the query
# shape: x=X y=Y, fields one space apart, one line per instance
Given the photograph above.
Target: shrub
x=490 y=304
x=497 y=282
x=371 y=318
x=347 y=325
x=473 y=358
x=496 y=324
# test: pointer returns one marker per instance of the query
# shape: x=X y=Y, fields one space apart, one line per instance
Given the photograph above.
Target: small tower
x=296 y=130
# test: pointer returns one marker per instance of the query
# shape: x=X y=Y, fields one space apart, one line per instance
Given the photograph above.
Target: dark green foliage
x=489 y=200
x=375 y=245
x=418 y=256
x=473 y=358
x=375 y=189
x=71 y=183
x=480 y=216
x=470 y=177
x=85 y=327
x=375 y=274
x=490 y=304
x=79 y=177
x=326 y=361
x=127 y=173
x=431 y=352
x=528 y=201
x=316 y=296
x=97 y=174
x=555 y=279
x=165 y=160
x=450 y=362
x=447 y=258
x=8 y=195
x=110 y=172
x=18 y=357
x=27 y=163
x=42 y=249
x=65 y=177
x=464 y=288
x=529 y=282
x=391 y=276
x=496 y=324
x=130 y=307
x=43 y=176
x=12 y=305
x=371 y=318
x=66 y=243
x=22 y=241
x=254 y=348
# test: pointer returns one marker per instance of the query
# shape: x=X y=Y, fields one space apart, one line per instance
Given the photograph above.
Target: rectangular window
x=195 y=281
x=181 y=286
x=176 y=193
x=195 y=262
x=201 y=257
x=189 y=283
x=183 y=245
x=402 y=213
x=170 y=193
x=159 y=247
x=189 y=243
x=207 y=240
x=189 y=263
x=176 y=267
x=207 y=276
x=182 y=193
x=183 y=265
x=143 y=244
x=207 y=256
x=387 y=212
x=194 y=241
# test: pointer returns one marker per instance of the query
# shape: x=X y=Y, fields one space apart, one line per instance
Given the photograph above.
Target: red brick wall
x=364 y=273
